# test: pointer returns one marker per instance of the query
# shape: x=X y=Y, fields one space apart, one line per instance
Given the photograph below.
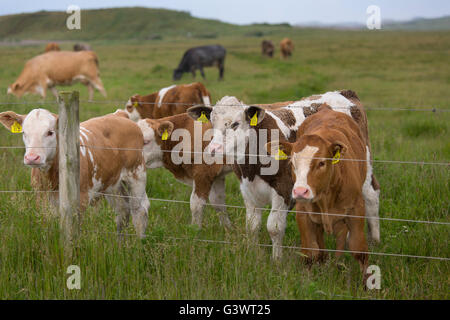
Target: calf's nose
x=31 y=158
x=300 y=192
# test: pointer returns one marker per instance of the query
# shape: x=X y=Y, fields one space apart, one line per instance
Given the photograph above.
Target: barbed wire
x=240 y=154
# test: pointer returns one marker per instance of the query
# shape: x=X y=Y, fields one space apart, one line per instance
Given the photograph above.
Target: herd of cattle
x=286 y=48
x=320 y=143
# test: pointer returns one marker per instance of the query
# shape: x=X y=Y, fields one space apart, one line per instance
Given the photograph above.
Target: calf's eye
x=50 y=133
x=321 y=164
x=234 y=125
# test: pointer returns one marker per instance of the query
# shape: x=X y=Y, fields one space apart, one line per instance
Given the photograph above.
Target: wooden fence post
x=69 y=164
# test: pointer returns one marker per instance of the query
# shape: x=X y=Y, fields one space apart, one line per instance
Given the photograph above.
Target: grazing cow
x=287 y=47
x=199 y=57
x=52 y=46
x=323 y=185
x=231 y=119
x=267 y=48
x=103 y=169
x=58 y=68
x=81 y=47
x=161 y=137
x=167 y=101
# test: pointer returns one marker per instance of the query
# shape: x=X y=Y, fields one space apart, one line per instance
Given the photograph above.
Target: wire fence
x=224 y=242
x=268 y=105
x=414 y=162
x=241 y=155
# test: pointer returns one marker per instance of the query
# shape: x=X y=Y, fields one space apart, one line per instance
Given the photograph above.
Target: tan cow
x=326 y=180
x=286 y=47
x=162 y=139
x=52 y=46
x=167 y=101
x=58 y=68
x=111 y=161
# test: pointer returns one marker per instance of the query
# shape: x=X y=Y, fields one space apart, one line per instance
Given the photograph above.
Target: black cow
x=199 y=57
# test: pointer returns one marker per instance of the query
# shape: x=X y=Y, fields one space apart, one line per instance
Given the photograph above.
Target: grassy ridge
x=123 y=24
x=386 y=69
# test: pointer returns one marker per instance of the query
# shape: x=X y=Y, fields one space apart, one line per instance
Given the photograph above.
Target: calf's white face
x=301 y=165
x=40 y=138
x=39 y=130
x=230 y=130
x=153 y=154
x=230 y=120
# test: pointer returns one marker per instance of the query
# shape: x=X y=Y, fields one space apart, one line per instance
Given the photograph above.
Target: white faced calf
x=111 y=161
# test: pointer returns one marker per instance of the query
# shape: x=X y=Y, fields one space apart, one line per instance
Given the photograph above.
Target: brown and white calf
x=161 y=149
x=168 y=101
x=231 y=120
x=58 y=68
x=323 y=185
x=111 y=161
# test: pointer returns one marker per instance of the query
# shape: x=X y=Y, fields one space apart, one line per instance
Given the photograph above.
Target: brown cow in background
x=56 y=68
x=52 y=46
x=267 y=48
x=286 y=47
x=168 y=101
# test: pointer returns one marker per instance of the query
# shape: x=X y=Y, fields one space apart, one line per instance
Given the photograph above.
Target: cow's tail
x=204 y=94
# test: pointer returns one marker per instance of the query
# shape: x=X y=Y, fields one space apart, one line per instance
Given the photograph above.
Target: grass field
x=386 y=69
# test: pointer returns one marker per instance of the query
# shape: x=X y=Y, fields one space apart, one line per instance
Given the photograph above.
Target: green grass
x=386 y=69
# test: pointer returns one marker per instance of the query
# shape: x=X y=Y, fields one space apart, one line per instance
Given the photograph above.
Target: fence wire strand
x=241 y=155
x=123 y=102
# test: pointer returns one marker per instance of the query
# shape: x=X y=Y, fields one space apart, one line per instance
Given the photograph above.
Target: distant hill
x=122 y=23
x=420 y=24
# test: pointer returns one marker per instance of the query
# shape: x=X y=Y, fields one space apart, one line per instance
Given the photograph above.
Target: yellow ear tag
x=203 y=118
x=165 y=135
x=135 y=104
x=281 y=155
x=336 y=158
x=254 y=120
x=16 y=127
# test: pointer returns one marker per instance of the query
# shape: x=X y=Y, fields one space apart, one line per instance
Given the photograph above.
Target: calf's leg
x=139 y=203
x=357 y=238
x=217 y=200
x=276 y=224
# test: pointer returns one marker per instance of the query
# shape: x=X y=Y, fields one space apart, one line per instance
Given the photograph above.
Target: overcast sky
x=249 y=11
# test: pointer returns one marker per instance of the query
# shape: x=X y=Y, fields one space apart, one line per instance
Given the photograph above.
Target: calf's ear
x=8 y=118
x=250 y=113
x=195 y=112
x=165 y=126
x=338 y=146
x=273 y=148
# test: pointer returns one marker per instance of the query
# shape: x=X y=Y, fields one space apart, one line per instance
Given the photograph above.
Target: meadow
x=388 y=70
